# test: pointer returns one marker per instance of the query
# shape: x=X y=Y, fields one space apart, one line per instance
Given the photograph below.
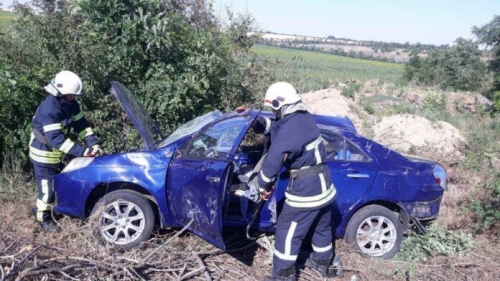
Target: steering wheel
x=211 y=152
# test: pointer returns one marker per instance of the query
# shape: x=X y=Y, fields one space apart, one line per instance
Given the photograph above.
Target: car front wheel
x=124 y=218
x=375 y=231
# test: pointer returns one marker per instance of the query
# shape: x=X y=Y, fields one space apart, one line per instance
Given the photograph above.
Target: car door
x=353 y=170
x=198 y=175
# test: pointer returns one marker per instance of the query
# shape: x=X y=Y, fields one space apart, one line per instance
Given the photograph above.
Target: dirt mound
x=330 y=102
x=411 y=134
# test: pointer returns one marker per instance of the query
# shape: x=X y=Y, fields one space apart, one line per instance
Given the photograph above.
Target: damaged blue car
x=192 y=177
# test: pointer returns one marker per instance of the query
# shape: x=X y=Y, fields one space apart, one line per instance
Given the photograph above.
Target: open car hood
x=148 y=129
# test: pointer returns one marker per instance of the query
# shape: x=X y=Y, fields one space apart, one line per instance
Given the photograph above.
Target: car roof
x=340 y=123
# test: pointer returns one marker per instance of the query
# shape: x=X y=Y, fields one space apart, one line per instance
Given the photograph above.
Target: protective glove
x=94 y=151
x=252 y=193
x=265 y=195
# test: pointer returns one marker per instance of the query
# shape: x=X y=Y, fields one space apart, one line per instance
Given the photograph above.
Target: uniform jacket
x=297 y=136
x=54 y=119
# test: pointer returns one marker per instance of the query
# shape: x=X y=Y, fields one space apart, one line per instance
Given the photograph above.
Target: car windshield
x=191 y=127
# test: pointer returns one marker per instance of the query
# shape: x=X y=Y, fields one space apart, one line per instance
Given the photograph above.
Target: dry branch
x=200 y=262
x=168 y=241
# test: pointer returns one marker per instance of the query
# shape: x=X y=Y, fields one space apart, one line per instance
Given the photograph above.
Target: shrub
x=174 y=56
x=487 y=210
x=350 y=90
x=459 y=67
x=436 y=242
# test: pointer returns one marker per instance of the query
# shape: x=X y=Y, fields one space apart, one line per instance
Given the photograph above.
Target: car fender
x=146 y=171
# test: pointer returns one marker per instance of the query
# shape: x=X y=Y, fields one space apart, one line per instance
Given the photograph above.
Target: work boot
x=49 y=226
x=287 y=274
x=325 y=266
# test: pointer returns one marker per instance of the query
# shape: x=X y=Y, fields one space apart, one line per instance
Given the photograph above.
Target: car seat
x=343 y=156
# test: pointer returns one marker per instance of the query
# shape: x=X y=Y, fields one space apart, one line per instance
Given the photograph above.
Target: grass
x=5 y=18
x=311 y=71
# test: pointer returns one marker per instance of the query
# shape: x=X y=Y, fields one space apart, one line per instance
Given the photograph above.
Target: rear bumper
x=426 y=210
x=415 y=212
x=422 y=210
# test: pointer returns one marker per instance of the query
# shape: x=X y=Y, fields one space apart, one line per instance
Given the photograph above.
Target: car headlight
x=78 y=163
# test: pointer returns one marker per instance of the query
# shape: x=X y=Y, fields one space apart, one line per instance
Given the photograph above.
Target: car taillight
x=440 y=175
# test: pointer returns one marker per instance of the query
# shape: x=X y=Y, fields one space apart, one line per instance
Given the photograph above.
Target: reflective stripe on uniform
x=310 y=198
x=322 y=249
x=310 y=201
x=289 y=236
x=45 y=160
x=45 y=190
x=268 y=126
x=264 y=178
x=40 y=208
x=85 y=133
x=285 y=257
x=43 y=153
x=323 y=182
x=78 y=116
x=52 y=127
x=315 y=145
x=67 y=145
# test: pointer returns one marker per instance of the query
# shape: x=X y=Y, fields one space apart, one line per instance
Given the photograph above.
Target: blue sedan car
x=192 y=177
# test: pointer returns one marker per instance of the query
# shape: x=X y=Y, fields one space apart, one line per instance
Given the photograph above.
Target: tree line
x=463 y=66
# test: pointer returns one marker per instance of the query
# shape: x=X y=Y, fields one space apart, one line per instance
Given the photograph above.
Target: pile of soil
x=405 y=133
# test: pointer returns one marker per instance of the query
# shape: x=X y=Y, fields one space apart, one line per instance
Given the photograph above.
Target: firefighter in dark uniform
x=53 y=120
x=296 y=143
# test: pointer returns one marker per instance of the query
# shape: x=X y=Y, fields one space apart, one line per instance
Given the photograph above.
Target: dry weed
x=75 y=253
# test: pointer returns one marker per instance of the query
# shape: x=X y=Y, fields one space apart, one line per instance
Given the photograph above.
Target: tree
x=173 y=54
x=463 y=67
x=459 y=67
x=489 y=34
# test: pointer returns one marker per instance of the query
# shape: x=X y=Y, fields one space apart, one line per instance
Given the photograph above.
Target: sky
x=425 y=21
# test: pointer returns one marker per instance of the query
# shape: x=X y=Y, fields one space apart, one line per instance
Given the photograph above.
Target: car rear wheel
x=375 y=231
x=124 y=218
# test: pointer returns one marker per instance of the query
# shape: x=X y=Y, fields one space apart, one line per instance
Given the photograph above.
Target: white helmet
x=67 y=83
x=279 y=94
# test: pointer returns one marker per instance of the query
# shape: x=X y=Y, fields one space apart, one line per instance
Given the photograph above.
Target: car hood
x=148 y=129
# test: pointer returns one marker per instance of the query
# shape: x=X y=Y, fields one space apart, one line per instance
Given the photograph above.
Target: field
x=313 y=71
x=5 y=17
x=455 y=248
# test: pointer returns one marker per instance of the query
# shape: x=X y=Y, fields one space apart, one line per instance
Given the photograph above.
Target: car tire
x=374 y=231
x=124 y=218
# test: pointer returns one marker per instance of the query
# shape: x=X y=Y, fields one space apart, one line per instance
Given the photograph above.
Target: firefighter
x=53 y=120
x=296 y=143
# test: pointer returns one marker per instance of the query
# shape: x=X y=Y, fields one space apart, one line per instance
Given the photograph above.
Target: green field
x=312 y=71
x=5 y=17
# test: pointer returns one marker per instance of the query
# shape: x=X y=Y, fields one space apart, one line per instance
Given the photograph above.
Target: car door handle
x=213 y=179
x=358 y=176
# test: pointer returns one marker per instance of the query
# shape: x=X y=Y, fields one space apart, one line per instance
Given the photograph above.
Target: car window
x=217 y=141
x=338 y=148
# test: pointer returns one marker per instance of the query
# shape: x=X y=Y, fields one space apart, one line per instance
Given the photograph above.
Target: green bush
x=350 y=90
x=436 y=242
x=459 y=67
x=482 y=134
x=174 y=55
x=489 y=35
x=488 y=210
x=384 y=105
